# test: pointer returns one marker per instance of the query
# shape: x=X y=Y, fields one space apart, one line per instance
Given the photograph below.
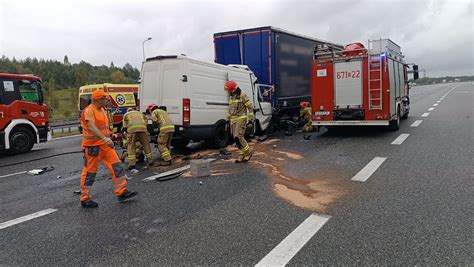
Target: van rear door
x=172 y=84
x=150 y=91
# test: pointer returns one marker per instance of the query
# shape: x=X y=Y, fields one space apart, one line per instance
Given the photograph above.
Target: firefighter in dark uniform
x=240 y=112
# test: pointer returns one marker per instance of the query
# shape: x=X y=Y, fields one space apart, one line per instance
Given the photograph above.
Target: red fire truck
x=360 y=86
x=23 y=115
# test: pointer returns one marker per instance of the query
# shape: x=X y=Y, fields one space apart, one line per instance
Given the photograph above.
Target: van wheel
x=258 y=128
x=21 y=140
x=220 y=137
x=180 y=143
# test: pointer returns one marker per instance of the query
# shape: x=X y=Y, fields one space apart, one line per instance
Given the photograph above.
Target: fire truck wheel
x=21 y=140
x=395 y=124
x=405 y=116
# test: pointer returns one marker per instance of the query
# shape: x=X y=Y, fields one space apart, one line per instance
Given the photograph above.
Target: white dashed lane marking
x=293 y=243
x=26 y=218
x=431 y=109
x=400 y=139
x=425 y=114
x=368 y=170
x=416 y=123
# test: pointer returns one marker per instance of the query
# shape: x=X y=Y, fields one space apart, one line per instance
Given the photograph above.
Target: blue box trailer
x=277 y=57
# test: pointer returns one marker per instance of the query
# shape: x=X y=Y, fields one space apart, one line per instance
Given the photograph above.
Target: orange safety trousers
x=92 y=156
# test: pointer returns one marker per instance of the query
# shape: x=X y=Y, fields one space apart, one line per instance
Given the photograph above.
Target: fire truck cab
x=23 y=115
x=360 y=86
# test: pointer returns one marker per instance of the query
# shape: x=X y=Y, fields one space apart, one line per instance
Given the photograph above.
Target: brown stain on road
x=316 y=192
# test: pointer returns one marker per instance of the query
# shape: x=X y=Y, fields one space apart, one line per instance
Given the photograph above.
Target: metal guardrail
x=64 y=127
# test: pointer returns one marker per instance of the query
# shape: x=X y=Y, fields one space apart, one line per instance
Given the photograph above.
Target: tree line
x=66 y=75
x=434 y=80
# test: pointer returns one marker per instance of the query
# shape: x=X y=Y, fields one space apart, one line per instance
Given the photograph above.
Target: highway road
x=360 y=196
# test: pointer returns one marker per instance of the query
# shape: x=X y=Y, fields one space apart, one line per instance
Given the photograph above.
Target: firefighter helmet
x=151 y=107
x=230 y=86
x=304 y=104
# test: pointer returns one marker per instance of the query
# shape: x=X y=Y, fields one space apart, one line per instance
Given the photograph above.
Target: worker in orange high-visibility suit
x=240 y=112
x=163 y=124
x=134 y=123
x=98 y=146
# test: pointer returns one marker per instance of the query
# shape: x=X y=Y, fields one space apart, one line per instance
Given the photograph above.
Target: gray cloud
x=438 y=35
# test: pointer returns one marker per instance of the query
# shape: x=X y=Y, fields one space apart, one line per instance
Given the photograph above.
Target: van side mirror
x=415 y=72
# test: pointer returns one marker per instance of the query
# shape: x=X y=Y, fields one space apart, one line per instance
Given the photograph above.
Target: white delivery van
x=193 y=93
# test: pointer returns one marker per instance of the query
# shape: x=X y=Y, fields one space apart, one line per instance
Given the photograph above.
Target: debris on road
x=41 y=170
x=168 y=177
x=200 y=168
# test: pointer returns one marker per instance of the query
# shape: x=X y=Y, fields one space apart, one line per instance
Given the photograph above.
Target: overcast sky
x=437 y=35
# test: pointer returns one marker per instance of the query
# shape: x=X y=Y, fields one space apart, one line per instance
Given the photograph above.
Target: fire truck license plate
x=321 y=113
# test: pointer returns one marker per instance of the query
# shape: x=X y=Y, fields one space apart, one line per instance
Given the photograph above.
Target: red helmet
x=304 y=104
x=230 y=86
x=150 y=108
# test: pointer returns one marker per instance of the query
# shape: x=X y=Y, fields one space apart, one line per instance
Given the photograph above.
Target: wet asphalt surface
x=415 y=209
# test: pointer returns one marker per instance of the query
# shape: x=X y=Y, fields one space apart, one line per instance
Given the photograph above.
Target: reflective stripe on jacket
x=134 y=121
x=306 y=113
x=101 y=122
x=161 y=117
x=240 y=107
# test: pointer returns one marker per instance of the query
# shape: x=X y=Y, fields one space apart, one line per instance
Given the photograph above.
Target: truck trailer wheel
x=21 y=140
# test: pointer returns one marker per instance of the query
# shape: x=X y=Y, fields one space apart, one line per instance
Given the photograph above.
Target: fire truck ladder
x=375 y=75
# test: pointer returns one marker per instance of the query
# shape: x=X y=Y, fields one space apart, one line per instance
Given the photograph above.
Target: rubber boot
x=89 y=204
x=126 y=195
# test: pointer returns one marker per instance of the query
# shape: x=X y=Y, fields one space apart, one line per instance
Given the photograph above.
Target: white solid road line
x=288 y=248
x=11 y=174
x=425 y=114
x=416 y=123
x=431 y=109
x=400 y=139
x=368 y=170
x=26 y=218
